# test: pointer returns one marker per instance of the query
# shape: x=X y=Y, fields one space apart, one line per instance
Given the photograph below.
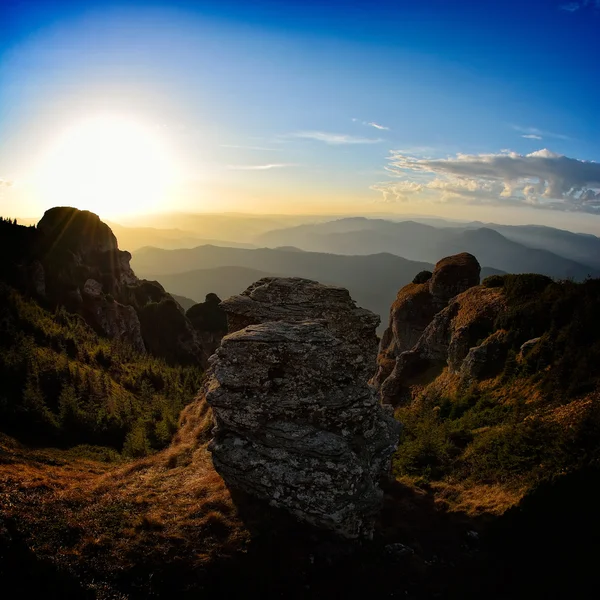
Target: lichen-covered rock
x=297 y=424
x=415 y=308
x=294 y=299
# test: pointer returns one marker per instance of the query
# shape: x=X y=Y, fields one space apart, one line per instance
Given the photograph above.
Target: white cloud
x=542 y=178
x=260 y=167
x=570 y=7
x=334 y=138
x=5 y=183
x=371 y=124
x=529 y=131
x=532 y=136
x=378 y=126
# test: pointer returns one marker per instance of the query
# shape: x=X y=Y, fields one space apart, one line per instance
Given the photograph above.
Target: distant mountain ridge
x=373 y=280
x=418 y=241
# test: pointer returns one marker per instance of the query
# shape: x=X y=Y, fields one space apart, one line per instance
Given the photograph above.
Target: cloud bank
x=540 y=179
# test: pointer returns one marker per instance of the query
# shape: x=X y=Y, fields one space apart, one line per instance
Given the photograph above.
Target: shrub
x=422 y=277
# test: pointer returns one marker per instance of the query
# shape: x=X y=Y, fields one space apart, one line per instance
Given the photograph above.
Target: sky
x=470 y=110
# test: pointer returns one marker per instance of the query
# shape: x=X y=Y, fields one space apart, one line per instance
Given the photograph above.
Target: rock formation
x=296 y=422
x=443 y=322
x=75 y=261
x=293 y=300
x=210 y=322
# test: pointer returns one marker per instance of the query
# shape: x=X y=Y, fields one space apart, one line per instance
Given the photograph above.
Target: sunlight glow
x=110 y=165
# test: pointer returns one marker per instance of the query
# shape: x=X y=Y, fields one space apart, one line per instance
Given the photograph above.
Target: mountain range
x=516 y=249
x=373 y=280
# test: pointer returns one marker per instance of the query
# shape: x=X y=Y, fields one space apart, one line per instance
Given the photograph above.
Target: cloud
x=530 y=131
x=334 y=138
x=532 y=136
x=260 y=167
x=5 y=183
x=570 y=7
x=371 y=124
x=378 y=126
x=542 y=179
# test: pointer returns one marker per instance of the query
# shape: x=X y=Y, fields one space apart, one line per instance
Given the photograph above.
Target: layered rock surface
x=443 y=322
x=297 y=425
x=294 y=299
x=78 y=264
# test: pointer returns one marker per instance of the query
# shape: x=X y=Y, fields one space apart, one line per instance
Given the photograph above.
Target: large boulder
x=294 y=299
x=297 y=424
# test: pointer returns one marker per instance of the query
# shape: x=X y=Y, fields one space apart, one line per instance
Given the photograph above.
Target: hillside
x=422 y=242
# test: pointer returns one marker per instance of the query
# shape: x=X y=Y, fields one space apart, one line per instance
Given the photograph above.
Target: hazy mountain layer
x=372 y=280
x=418 y=241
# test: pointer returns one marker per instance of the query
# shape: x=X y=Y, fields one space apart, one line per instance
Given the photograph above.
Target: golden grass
x=170 y=507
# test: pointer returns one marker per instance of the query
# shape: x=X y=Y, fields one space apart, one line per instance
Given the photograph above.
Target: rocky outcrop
x=416 y=306
x=296 y=422
x=210 y=322
x=79 y=265
x=445 y=322
x=293 y=300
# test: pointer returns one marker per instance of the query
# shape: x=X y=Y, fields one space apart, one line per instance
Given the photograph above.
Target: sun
x=113 y=166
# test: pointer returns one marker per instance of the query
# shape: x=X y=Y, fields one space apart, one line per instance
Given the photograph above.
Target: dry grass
x=171 y=508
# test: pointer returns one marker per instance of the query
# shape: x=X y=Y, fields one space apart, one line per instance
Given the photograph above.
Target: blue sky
x=323 y=106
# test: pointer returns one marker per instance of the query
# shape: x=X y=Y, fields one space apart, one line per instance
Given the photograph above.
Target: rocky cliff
x=73 y=259
x=296 y=422
x=442 y=322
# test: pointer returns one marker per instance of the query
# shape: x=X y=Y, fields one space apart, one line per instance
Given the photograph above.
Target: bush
x=422 y=277
x=493 y=281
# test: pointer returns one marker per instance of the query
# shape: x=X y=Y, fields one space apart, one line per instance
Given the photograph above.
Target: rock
x=447 y=341
x=528 y=345
x=210 y=322
x=86 y=272
x=452 y=276
x=416 y=307
x=487 y=359
x=296 y=422
x=293 y=299
x=92 y=288
x=36 y=278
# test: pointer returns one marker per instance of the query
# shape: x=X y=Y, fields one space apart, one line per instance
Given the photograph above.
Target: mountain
x=223 y=281
x=581 y=247
x=372 y=280
x=185 y=303
x=422 y=242
x=138 y=237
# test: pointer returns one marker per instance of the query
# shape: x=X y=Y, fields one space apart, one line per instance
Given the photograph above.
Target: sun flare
x=110 y=165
